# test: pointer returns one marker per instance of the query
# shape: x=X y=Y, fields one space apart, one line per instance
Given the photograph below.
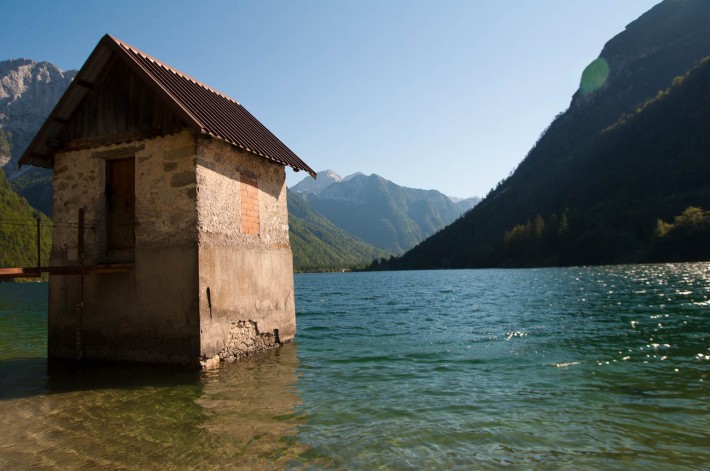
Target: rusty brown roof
x=201 y=107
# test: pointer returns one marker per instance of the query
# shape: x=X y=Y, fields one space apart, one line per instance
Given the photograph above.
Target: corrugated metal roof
x=202 y=107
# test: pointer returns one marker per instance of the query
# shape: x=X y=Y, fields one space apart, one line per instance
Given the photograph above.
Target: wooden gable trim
x=120 y=109
x=84 y=83
x=100 y=61
x=121 y=153
x=106 y=140
x=66 y=105
x=160 y=91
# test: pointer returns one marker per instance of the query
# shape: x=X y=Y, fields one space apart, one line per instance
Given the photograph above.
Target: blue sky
x=445 y=94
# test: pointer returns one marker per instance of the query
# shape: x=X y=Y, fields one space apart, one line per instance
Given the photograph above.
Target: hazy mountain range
x=388 y=216
x=620 y=176
x=336 y=223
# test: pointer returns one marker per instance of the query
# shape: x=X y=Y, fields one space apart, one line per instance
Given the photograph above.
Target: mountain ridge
x=319 y=245
x=329 y=177
x=561 y=166
x=28 y=92
x=384 y=214
x=324 y=179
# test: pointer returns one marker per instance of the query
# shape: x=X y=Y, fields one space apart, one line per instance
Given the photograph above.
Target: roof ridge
x=162 y=64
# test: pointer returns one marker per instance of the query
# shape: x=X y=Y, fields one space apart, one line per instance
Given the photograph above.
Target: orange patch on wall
x=250 y=205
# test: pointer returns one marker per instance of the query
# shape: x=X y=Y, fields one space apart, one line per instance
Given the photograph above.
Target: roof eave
x=295 y=168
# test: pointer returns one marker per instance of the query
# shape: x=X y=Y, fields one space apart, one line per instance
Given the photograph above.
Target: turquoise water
x=576 y=368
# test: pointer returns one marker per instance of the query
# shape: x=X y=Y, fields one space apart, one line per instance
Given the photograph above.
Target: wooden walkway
x=36 y=272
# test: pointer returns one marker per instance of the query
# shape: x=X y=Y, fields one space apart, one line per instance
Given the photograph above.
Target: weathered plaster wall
x=246 y=280
x=219 y=168
x=150 y=313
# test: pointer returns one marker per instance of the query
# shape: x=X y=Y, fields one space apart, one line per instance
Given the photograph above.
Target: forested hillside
x=633 y=149
x=18 y=230
x=319 y=245
x=18 y=224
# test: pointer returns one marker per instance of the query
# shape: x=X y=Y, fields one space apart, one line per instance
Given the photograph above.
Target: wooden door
x=120 y=204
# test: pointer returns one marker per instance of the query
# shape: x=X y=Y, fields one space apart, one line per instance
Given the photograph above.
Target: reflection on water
x=147 y=417
x=250 y=409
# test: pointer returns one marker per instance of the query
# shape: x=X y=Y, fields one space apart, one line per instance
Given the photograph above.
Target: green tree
x=687 y=238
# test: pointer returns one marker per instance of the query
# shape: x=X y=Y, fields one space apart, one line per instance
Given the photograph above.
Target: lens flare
x=594 y=76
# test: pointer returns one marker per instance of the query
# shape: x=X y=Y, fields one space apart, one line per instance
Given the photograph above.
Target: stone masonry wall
x=151 y=312
x=165 y=192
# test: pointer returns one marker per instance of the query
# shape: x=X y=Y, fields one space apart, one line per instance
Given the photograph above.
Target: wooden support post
x=79 y=314
x=80 y=244
x=39 y=251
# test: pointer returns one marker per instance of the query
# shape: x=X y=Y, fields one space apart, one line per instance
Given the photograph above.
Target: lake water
x=575 y=368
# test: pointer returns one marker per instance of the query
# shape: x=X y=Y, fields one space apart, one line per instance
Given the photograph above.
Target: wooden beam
x=38 y=160
x=55 y=143
x=120 y=153
x=34 y=272
x=84 y=83
x=98 y=141
x=30 y=272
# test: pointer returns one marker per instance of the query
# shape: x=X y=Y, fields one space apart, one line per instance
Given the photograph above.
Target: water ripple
x=577 y=368
x=554 y=368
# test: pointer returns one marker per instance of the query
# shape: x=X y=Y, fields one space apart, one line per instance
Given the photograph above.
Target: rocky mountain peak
x=324 y=180
x=353 y=175
x=28 y=92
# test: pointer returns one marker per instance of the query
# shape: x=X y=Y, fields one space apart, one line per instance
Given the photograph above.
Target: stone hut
x=170 y=213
